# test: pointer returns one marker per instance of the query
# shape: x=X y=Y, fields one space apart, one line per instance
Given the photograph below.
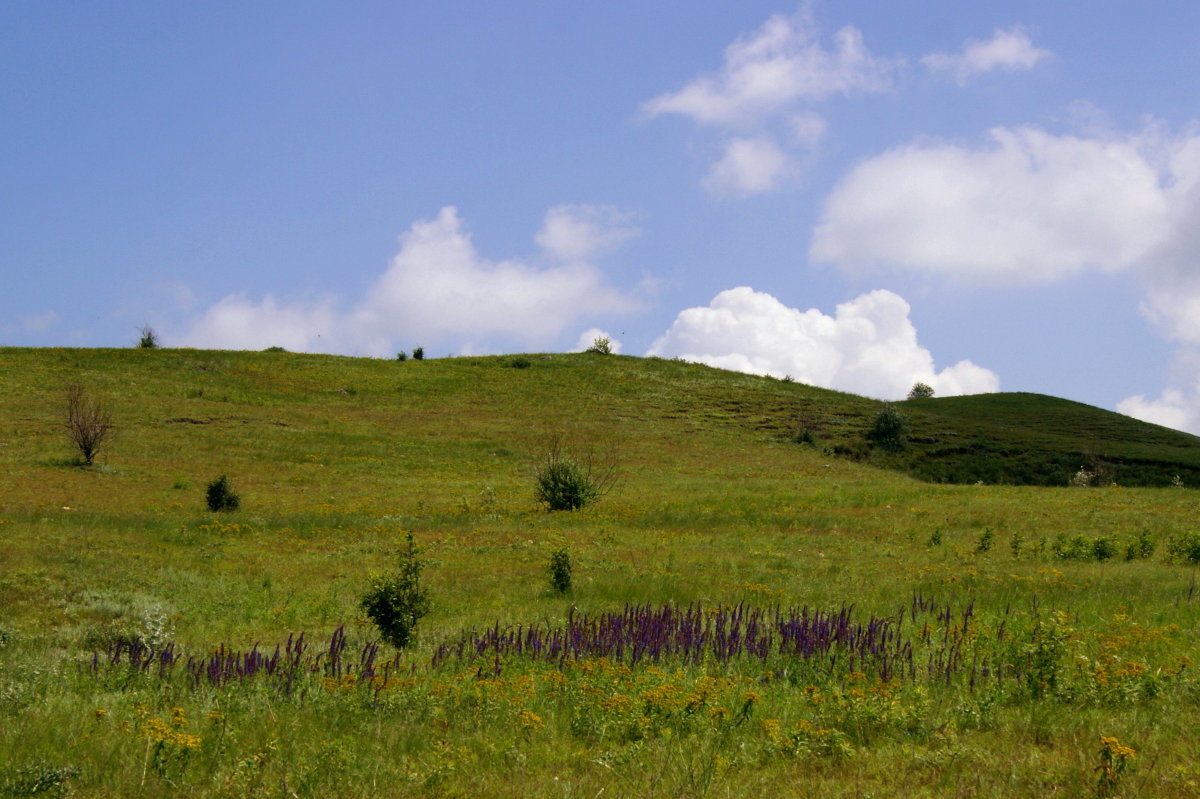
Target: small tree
x=89 y=422
x=560 y=570
x=220 y=496
x=889 y=430
x=396 y=602
x=148 y=339
x=419 y=354
x=565 y=482
x=920 y=391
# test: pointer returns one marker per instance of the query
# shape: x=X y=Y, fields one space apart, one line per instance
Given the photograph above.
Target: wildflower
x=99 y=713
x=530 y=720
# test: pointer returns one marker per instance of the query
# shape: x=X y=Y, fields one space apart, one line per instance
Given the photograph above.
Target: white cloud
x=768 y=81
x=39 y=322
x=1028 y=206
x=780 y=64
x=869 y=346
x=575 y=233
x=1009 y=50
x=588 y=337
x=749 y=166
x=1175 y=409
x=439 y=289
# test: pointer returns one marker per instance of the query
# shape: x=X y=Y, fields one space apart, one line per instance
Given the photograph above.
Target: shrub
x=1185 y=547
x=418 y=353
x=220 y=496
x=1104 y=548
x=396 y=602
x=148 y=339
x=402 y=356
x=275 y=348
x=567 y=483
x=560 y=570
x=601 y=345
x=1142 y=546
x=987 y=539
x=520 y=362
x=89 y=422
x=889 y=430
x=920 y=391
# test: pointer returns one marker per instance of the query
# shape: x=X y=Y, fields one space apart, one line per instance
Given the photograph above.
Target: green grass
x=337 y=459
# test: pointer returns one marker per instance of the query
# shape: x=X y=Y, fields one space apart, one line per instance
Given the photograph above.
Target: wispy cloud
x=1009 y=49
x=770 y=79
x=869 y=346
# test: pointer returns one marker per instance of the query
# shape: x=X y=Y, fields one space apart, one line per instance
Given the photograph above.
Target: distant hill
x=177 y=407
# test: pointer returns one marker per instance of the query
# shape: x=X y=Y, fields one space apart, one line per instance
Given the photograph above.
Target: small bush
x=38 y=778
x=396 y=602
x=560 y=570
x=276 y=348
x=148 y=339
x=567 y=483
x=520 y=362
x=987 y=539
x=889 y=430
x=89 y=422
x=220 y=496
x=1104 y=548
x=600 y=346
x=401 y=356
x=1184 y=547
x=1142 y=546
x=419 y=354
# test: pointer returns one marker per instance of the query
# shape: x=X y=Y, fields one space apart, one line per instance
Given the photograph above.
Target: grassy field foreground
x=749 y=616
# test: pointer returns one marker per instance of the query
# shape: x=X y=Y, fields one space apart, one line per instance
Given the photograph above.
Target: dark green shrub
x=560 y=570
x=920 y=391
x=567 y=483
x=148 y=339
x=987 y=539
x=275 y=349
x=396 y=602
x=419 y=354
x=1076 y=547
x=220 y=496
x=401 y=356
x=889 y=430
x=38 y=778
x=520 y=362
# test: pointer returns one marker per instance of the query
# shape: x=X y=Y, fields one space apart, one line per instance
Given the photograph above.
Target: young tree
x=920 y=391
x=89 y=422
x=889 y=430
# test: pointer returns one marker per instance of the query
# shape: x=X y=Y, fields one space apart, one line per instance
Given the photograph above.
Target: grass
x=338 y=459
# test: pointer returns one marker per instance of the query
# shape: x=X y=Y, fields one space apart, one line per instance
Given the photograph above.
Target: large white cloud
x=1009 y=50
x=439 y=289
x=1026 y=206
x=869 y=346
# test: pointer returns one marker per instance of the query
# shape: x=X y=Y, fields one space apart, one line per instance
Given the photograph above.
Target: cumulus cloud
x=771 y=77
x=1175 y=408
x=869 y=346
x=1027 y=206
x=440 y=289
x=1009 y=50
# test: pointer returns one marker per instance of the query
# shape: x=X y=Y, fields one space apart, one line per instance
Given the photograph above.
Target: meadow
x=752 y=611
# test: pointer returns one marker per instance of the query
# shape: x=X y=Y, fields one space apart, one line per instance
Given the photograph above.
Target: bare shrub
x=89 y=422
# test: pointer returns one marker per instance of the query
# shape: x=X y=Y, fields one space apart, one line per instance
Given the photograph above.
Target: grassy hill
x=1031 y=635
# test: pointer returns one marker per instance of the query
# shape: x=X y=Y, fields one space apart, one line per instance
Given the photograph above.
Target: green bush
x=600 y=346
x=567 y=483
x=920 y=391
x=1184 y=547
x=220 y=496
x=1142 y=546
x=396 y=602
x=418 y=353
x=148 y=339
x=889 y=430
x=520 y=362
x=560 y=570
x=402 y=356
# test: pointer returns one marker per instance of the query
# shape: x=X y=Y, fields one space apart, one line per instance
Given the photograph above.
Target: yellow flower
x=99 y=713
x=530 y=720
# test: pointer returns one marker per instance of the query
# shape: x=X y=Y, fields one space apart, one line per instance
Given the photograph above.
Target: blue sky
x=981 y=196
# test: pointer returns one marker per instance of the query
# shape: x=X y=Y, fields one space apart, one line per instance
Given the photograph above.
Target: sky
x=986 y=196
